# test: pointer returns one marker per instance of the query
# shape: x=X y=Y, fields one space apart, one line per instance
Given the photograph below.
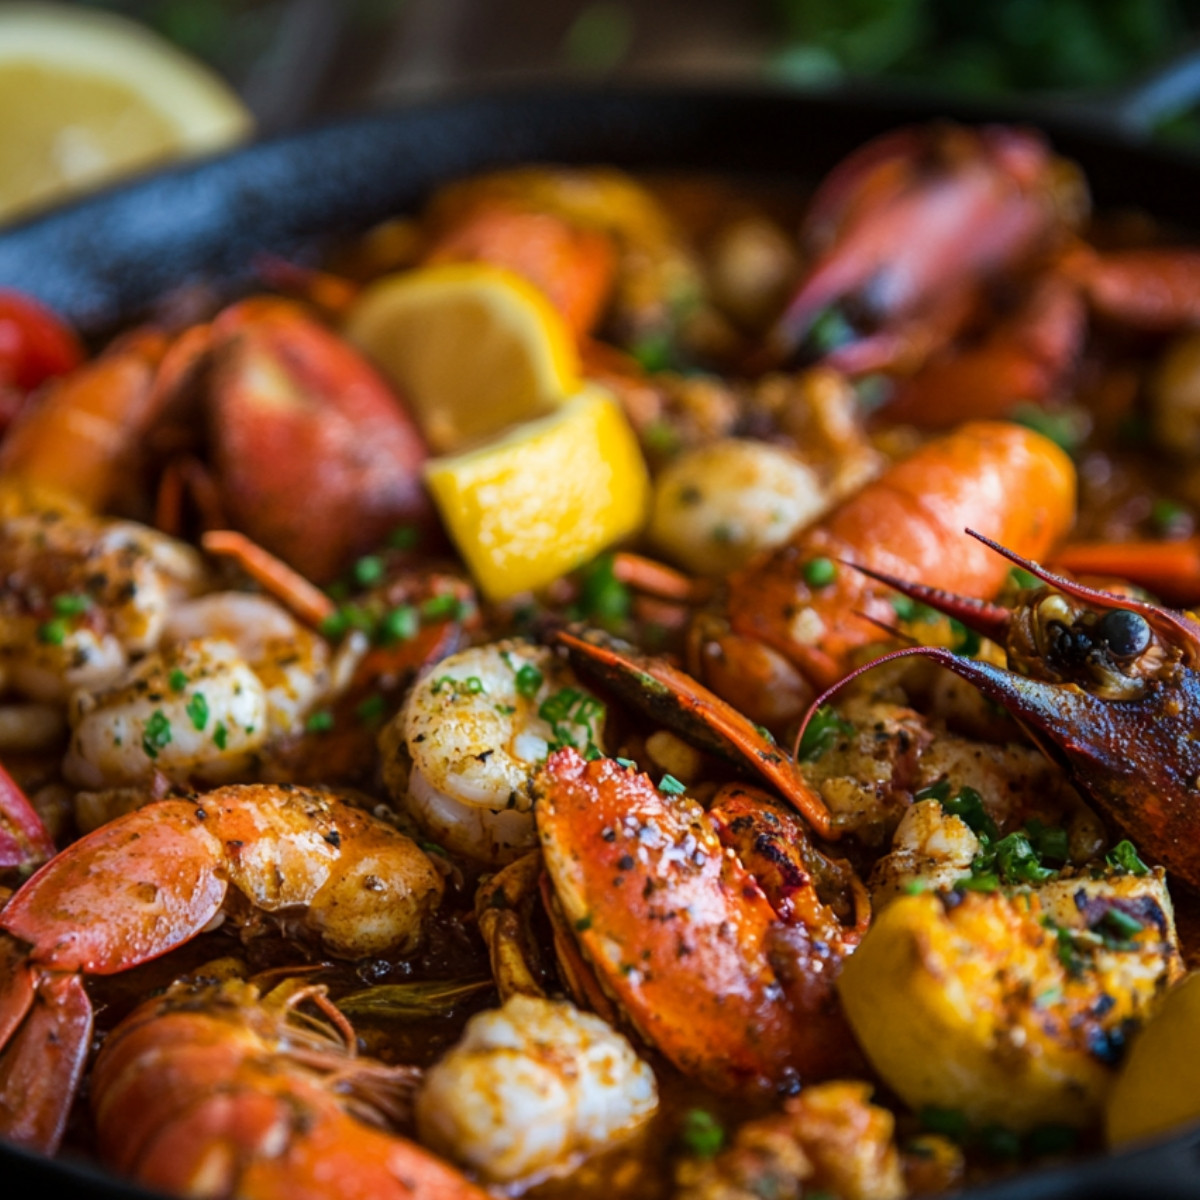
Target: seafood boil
x=662 y=689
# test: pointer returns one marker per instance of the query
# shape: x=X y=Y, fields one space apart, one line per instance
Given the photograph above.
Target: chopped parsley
x=602 y=596
x=443 y=607
x=220 y=736
x=53 y=633
x=368 y=570
x=371 y=709
x=570 y=712
x=1125 y=859
x=71 y=604
x=529 y=681
x=156 y=733
x=197 y=710
x=320 y=721
x=399 y=624
x=178 y=680
x=701 y=1133
x=820 y=572
x=824 y=729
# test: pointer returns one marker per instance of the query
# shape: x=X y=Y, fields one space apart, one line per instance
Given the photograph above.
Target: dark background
x=293 y=60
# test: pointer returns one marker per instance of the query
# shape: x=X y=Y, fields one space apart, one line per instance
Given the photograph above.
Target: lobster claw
x=912 y=223
x=1106 y=685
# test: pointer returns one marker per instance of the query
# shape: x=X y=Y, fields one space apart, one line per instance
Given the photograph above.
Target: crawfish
x=155 y=878
x=216 y=1090
x=1013 y=482
x=1106 y=685
x=902 y=235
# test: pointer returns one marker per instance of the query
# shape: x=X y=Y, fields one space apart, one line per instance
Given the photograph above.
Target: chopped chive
x=701 y=1133
x=53 y=633
x=371 y=709
x=197 y=709
x=671 y=785
x=529 y=681
x=320 y=721
x=156 y=733
x=73 y=604
x=335 y=625
x=473 y=685
x=820 y=572
x=444 y=606
x=399 y=624
x=603 y=597
x=627 y=763
x=368 y=570
x=220 y=736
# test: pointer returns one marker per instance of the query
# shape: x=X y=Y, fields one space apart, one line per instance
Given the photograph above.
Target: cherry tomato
x=35 y=345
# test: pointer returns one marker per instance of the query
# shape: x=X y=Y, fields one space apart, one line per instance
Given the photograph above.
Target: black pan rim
x=79 y=258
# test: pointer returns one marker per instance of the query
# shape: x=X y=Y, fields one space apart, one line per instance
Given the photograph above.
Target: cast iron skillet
x=104 y=261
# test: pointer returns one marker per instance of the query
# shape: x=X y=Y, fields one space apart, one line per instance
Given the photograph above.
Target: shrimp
x=533 y=1088
x=154 y=879
x=84 y=595
x=460 y=754
x=235 y=673
x=192 y=711
x=292 y=663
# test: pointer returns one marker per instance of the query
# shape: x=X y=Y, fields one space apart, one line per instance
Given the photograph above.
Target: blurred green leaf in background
x=984 y=47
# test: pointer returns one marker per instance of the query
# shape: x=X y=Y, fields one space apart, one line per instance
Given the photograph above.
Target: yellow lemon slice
x=546 y=497
x=1158 y=1086
x=471 y=347
x=86 y=96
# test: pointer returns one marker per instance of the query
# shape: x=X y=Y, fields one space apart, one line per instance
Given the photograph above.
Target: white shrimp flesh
x=459 y=754
x=532 y=1089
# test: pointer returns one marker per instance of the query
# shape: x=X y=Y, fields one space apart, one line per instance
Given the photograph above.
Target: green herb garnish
x=824 y=729
x=197 y=710
x=701 y=1133
x=156 y=733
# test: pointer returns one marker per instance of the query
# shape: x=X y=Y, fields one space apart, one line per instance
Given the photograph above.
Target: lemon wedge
x=473 y=348
x=546 y=497
x=1158 y=1086
x=86 y=96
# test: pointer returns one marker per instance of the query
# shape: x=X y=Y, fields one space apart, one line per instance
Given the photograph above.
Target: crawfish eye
x=1125 y=633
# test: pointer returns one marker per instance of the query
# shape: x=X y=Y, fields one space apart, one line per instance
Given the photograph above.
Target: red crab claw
x=1107 y=686
x=918 y=215
x=677 y=932
x=317 y=460
x=24 y=841
x=673 y=698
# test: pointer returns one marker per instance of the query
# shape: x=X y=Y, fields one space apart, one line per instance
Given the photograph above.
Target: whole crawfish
x=1105 y=684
